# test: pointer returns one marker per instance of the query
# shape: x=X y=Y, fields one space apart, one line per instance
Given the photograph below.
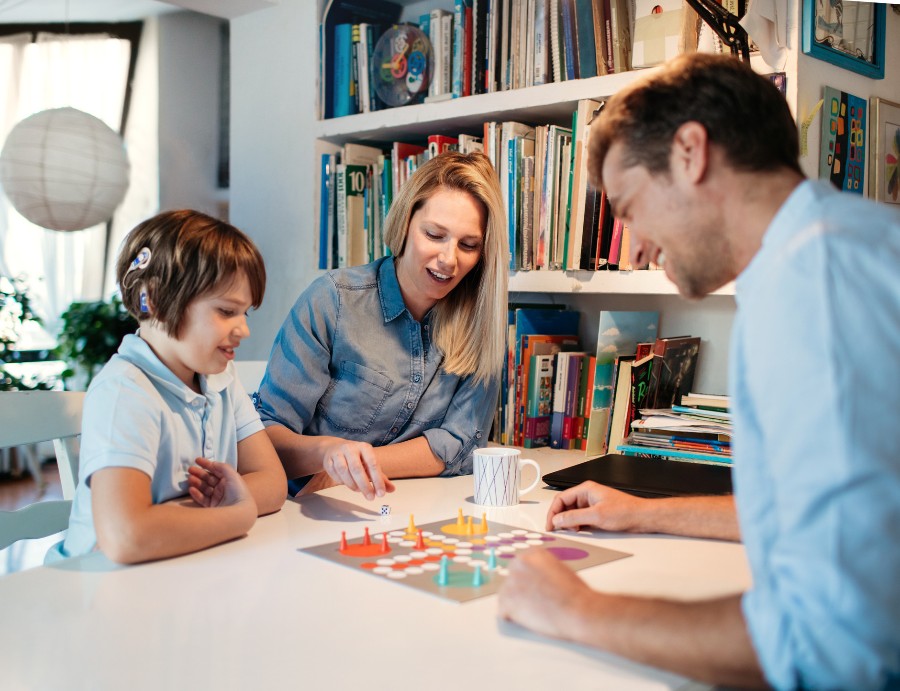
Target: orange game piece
x=343 y=540
x=420 y=543
x=384 y=544
x=366 y=539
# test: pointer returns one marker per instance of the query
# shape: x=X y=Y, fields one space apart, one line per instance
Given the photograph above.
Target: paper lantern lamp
x=64 y=169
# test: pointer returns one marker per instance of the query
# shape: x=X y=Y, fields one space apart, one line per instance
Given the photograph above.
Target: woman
x=392 y=369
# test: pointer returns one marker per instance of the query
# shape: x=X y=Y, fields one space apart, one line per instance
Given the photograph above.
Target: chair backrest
x=28 y=417
x=250 y=373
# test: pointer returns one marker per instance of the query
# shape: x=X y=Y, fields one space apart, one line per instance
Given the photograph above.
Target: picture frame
x=884 y=157
x=850 y=35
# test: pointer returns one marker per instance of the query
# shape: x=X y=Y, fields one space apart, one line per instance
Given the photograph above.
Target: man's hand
x=595 y=506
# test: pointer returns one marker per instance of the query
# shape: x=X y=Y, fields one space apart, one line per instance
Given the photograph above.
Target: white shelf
x=549 y=103
x=599 y=282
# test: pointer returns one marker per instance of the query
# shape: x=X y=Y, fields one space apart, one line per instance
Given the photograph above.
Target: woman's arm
x=260 y=468
x=131 y=528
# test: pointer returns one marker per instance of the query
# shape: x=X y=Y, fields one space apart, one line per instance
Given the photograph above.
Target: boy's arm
x=131 y=528
x=258 y=464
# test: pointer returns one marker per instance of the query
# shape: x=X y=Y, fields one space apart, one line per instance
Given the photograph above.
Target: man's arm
x=705 y=640
x=596 y=506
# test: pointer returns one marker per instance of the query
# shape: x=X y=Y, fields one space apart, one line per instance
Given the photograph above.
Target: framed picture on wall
x=846 y=33
x=843 y=155
x=884 y=176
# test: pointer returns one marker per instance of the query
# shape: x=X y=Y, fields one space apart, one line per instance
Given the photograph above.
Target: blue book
x=343 y=70
x=325 y=201
x=584 y=29
x=567 y=17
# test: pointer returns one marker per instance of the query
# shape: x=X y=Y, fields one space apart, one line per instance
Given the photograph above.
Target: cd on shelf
x=401 y=65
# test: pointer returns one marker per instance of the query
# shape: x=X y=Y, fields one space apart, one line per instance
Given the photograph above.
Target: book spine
x=343 y=70
x=527 y=211
x=341 y=216
x=569 y=39
x=447 y=53
x=324 y=203
x=584 y=28
x=459 y=44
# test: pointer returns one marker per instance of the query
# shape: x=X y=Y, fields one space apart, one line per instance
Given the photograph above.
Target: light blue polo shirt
x=815 y=376
x=138 y=414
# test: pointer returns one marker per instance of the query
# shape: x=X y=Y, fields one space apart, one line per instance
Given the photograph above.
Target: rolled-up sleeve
x=298 y=372
x=466 y=425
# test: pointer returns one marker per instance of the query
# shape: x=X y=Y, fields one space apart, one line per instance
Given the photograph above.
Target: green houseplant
x=15 y=311
x=90 y=335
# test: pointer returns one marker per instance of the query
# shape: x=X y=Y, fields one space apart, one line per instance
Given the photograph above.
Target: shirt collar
x=392 y=304
x=138 y=352
x=791 y=217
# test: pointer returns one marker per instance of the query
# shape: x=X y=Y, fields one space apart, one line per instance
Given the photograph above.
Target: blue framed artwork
x=846 y=33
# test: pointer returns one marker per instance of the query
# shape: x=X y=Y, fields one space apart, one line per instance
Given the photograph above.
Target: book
x=439 y=143
x=705 y=400
x=619 y=423
x=584 y=30
x=326 y=214
x=344 y=88
x=672 y=374
x=600 y=37
x=531 y=345
x=540 y=398
x=618 y=334
x=674 y=454
x=583 y=199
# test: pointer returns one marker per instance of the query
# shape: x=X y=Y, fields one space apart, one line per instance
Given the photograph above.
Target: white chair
x=29 y=417
x=250 y=373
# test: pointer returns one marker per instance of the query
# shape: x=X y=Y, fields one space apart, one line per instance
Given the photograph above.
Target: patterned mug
x=498 y=476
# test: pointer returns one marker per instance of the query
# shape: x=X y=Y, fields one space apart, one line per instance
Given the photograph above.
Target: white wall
x=189 y=68
x=273 y=80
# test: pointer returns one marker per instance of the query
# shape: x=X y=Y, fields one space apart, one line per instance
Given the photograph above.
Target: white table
x=256 y=614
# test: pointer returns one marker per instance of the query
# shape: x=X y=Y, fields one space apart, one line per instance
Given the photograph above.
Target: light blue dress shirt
x=351 y=361
x=138 y=414
x=815 y=377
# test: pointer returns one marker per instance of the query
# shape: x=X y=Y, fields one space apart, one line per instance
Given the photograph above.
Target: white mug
x=498 y=476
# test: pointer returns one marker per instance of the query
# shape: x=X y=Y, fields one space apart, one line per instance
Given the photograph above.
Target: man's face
x=670 y=224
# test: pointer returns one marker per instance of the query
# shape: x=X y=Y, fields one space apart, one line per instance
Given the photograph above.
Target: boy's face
x=213 y=327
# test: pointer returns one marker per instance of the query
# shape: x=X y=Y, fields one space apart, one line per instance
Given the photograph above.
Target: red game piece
x=366 y=539
x=384 y=544
x=420 y=543
x=343 y=541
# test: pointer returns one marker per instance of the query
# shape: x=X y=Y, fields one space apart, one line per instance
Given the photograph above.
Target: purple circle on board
x=505 y=542
x=478 y=548
x=568 y=553
x=506 y=556
x=547 y=538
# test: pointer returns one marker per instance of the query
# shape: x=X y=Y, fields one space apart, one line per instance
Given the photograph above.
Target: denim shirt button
x=478 y=435
x=417 y=378
x=393 y=430
x=409 y=406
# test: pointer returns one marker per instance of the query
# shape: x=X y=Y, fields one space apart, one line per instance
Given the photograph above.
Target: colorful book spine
x=343 y=70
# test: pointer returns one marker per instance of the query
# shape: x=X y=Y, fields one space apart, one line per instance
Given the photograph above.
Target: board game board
x=458 y=559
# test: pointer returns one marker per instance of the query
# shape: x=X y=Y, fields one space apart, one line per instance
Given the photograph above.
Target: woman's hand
x=216 y=484
x=353 y=463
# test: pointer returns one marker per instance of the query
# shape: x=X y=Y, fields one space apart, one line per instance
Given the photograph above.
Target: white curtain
x=85 y=72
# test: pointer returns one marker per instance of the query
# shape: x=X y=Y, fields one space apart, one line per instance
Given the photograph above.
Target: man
x=701 y=161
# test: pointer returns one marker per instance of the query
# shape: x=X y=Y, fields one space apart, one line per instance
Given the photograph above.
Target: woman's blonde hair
x=468 y=324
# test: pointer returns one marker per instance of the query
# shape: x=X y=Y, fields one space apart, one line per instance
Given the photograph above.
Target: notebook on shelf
x=646 y=477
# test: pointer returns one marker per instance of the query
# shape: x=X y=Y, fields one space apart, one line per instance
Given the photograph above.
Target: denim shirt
x=351 y=361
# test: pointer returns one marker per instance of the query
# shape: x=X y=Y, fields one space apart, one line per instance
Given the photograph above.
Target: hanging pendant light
x=64 y=169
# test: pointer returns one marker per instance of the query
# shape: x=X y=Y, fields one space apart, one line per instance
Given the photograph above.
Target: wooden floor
x=16 y=492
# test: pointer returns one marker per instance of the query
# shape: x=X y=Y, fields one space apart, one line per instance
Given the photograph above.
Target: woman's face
x=444 y=243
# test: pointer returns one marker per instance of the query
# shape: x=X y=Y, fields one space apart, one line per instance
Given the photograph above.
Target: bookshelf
x=277 y=136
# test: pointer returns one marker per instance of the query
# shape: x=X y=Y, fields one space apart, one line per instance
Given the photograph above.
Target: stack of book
x=699 y=430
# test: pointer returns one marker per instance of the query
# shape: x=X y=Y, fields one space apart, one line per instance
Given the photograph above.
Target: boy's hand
x=216 y=484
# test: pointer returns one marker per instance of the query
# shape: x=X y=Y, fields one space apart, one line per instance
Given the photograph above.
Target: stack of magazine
x=698 y=430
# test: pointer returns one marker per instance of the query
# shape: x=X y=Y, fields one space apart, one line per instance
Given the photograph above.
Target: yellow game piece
x=412 y=525
x=469 y=526
x=484 y=527
x=459 y=519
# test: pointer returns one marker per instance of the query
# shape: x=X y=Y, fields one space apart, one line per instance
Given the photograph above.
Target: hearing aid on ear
x=144 y=306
